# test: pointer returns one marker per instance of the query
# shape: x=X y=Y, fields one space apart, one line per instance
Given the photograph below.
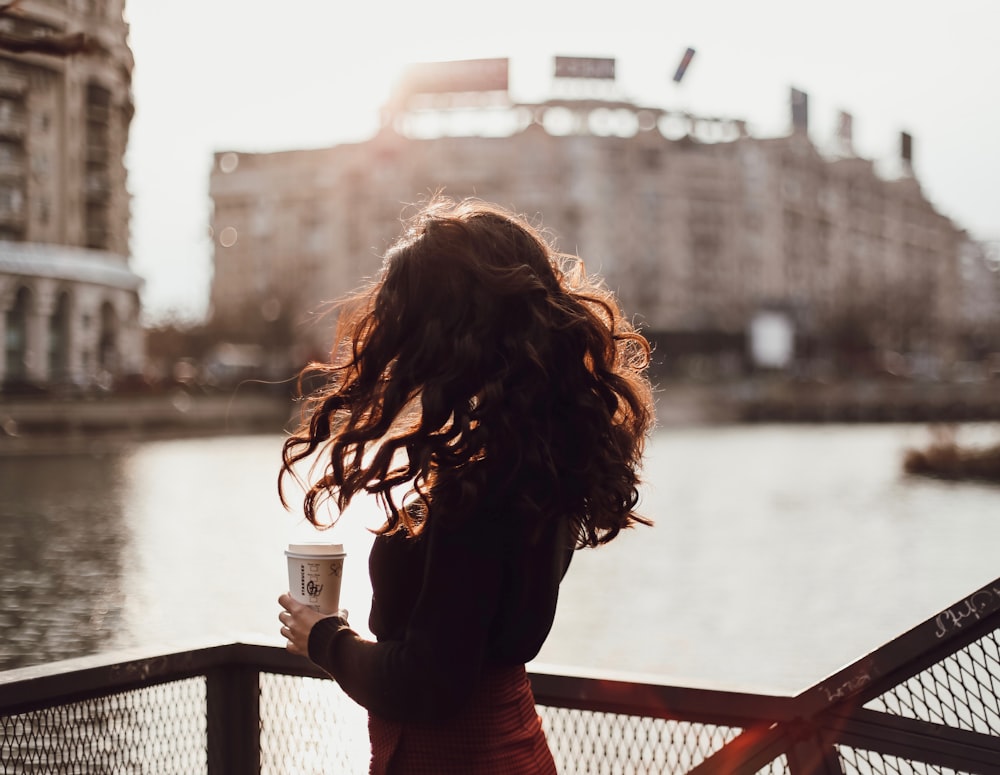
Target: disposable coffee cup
x=314 y=575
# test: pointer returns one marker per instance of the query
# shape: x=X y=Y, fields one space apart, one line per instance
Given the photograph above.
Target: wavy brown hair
x=482 y=370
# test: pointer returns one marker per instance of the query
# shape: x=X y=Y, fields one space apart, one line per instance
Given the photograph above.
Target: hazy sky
x=254 y=76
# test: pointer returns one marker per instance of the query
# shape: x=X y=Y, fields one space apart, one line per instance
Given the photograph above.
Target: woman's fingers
x=297 y=621
x=294 y=630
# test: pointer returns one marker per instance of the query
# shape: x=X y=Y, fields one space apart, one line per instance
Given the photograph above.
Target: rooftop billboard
x=467 y=75
x=585 y=67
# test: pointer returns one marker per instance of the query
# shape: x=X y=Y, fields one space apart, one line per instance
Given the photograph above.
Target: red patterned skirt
x=499 y=733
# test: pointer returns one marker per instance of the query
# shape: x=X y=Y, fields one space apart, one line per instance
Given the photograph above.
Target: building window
x=16 y=341
x=97 y=164
x=59 y=333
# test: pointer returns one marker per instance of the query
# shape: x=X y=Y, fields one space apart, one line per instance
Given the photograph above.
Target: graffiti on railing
x=974 y=607
x=139 y=670
x=848 y=687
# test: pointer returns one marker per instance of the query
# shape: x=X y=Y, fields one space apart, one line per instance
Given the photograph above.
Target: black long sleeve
x=445 y=605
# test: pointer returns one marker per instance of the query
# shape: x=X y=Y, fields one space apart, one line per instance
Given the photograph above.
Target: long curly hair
x=481 y=370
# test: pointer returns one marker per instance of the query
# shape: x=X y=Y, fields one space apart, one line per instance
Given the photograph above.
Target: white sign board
x=772 y=339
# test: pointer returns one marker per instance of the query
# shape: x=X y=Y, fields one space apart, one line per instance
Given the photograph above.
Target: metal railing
x=926 y=702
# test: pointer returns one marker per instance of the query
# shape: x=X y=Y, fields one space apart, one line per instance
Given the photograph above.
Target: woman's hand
x=297 y=621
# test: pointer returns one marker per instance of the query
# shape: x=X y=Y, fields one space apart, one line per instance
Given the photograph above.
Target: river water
x=780 y=552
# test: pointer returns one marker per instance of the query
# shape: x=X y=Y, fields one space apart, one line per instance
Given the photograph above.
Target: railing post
x=811 y=755
x=233 y=708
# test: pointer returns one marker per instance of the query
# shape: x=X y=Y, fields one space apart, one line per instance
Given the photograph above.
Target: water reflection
x=780 y=553
x=63 y=539
x=209 y=561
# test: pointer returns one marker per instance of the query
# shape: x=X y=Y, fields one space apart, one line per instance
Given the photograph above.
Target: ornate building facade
x=699 y=226
x=69 y=304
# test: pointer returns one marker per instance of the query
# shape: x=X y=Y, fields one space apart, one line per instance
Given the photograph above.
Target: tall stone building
x=69 y=304
x=698 y=225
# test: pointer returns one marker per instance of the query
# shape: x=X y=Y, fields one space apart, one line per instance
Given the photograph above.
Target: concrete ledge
x=23 y=421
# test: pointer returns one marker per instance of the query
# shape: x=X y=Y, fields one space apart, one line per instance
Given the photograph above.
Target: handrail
x=41 y=686
x=629 y=694
x=232 y=674
x=33 y=688
x=907 y=654
x=834 y=712
x=929 y=696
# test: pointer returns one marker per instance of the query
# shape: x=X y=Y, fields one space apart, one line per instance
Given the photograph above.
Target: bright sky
x=255 y=76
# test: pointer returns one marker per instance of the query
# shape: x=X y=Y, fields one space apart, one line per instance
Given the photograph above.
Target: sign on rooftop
x=459 y=76
x=800 y=110
x=683 y=65
x=585 y=67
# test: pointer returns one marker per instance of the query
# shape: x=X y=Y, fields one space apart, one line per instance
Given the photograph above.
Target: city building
x=69 y=303
x=699 y=226
x=979 y=278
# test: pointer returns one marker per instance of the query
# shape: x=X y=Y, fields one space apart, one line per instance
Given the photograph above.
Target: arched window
x=16 y=344
x=97 y=184
x=59 y=340
x=107 y=353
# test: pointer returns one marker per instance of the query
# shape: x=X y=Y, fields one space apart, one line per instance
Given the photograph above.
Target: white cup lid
x=316 y=549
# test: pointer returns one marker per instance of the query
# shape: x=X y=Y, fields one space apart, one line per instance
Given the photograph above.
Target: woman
x=500 y=389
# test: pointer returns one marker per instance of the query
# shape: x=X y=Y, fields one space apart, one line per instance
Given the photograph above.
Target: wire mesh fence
x=861 y=762
x=616 y=744
x=160 y=729
x=927 y=703
x=309 y=726
x=962 y=690
x=959 y=691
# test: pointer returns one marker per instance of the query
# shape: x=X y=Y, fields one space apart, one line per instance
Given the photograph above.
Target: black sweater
x=446 y=605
